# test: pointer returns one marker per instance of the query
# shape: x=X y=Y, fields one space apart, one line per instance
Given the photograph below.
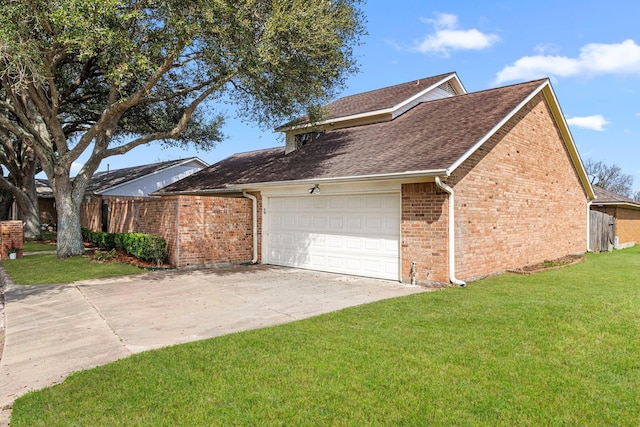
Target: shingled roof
x=105 y=180
x=374 y=100
x=102 y=181
x=606 y=197
x=429 y=138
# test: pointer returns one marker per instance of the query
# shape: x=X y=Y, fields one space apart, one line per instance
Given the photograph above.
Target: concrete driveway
x=54 y=330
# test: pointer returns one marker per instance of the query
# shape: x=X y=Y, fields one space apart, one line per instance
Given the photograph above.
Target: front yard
x=554 y=348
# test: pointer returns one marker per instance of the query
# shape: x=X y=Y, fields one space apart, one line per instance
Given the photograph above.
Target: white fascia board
x=432 y=173
x=568 y=138
x=387 y=111
x=629 y=205
x=552 y=102
x=204 y=165
x=257 y=186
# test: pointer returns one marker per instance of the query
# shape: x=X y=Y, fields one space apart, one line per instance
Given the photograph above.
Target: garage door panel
x=352 y=234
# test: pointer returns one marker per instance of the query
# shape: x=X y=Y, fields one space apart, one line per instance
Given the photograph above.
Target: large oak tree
x=101 y=77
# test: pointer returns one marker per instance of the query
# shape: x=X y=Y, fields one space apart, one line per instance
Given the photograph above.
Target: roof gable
x=383 y=104
x=108 y=180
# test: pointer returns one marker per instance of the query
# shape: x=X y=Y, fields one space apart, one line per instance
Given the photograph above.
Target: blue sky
x=589 y=49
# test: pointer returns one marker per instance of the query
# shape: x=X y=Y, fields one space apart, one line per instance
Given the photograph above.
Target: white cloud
x=448 y=37
x=593 y=59
x=596 y=122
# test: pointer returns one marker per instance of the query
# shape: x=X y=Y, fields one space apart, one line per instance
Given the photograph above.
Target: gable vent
x=446 y=86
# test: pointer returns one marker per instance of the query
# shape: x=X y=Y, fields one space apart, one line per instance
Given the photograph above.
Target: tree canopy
x=609 y=177
x=101 y=77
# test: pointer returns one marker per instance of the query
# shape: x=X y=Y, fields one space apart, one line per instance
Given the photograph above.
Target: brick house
x=420 y=181
x=624 y=213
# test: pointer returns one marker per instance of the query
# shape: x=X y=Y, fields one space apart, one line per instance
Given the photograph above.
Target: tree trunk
x=68 y=208
x=28 y=209
x=29 y=212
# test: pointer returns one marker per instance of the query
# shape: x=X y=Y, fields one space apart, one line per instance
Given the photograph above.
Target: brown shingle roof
x=431 y=136
x=104 y=180
x=374 y=100
x=609 y=197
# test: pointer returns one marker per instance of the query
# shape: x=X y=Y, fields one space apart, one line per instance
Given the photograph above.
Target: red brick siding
x=199 y=230
x=11 y=234
x=518 y=198
x=424 y=232
x=214 y=230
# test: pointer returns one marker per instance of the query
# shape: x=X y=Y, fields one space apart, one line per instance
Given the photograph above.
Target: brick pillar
x=11 y=235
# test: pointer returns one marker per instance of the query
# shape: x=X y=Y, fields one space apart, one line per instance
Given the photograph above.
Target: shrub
x=85 y=233
x=145 y=247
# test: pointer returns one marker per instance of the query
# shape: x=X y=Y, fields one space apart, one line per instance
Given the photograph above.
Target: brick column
x=11 y=234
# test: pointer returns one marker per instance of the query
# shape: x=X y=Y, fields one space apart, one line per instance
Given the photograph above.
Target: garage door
x=350 y=234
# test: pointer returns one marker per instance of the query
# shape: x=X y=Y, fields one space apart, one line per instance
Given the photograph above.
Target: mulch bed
x=549 y=265
x=125 y=258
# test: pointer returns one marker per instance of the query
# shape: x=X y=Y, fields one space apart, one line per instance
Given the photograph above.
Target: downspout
x=254 y=201
x=451 y=234
x=589 y=225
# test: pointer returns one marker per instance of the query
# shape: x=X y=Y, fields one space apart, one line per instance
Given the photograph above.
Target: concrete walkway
x=54 y=330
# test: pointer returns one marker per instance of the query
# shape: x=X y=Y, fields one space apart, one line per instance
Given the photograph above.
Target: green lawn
x=38 y=247
x=48 y=269
x=555 y=348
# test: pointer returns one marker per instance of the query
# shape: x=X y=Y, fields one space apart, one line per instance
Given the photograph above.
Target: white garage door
x=350 y=234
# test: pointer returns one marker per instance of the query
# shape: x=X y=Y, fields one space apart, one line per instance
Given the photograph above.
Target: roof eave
x=382 y=113
x=430 y=173
x=101 y=192
x=616 y=204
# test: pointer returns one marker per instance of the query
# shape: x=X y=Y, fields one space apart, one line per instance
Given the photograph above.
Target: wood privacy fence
x=601 y=230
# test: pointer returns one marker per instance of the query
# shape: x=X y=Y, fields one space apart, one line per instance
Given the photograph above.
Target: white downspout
x=589 y=225
x=451 y=233
x=254 y=201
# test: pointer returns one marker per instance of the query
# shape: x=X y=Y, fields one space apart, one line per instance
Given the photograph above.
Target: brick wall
x=199 y=230
x=214 y=230
x=11 y=235
x=424 y=232
x=518 y=198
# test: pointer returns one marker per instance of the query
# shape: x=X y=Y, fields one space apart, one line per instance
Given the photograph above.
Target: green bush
x=145 y=247
x=85 y=233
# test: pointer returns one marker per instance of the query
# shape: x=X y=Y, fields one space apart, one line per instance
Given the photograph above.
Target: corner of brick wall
x=424 y=233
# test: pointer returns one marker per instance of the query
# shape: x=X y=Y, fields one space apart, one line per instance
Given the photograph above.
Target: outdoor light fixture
x=315 y=189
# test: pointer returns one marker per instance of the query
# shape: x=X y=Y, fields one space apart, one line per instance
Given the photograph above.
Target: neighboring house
x=112 y=185
x=416 y=182
x=46 y=204
x=624 y=217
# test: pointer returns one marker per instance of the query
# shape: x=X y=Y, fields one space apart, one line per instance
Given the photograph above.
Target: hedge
x=145 y=247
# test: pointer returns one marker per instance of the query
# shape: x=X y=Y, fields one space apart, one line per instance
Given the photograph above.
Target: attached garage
x=419 y=182
x=349 y=234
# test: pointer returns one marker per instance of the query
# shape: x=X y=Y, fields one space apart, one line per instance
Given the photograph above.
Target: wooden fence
x=602 y=231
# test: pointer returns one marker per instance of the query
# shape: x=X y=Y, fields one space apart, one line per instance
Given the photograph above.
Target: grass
x=554 y=348
x=48 y=269
x=38 y=247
